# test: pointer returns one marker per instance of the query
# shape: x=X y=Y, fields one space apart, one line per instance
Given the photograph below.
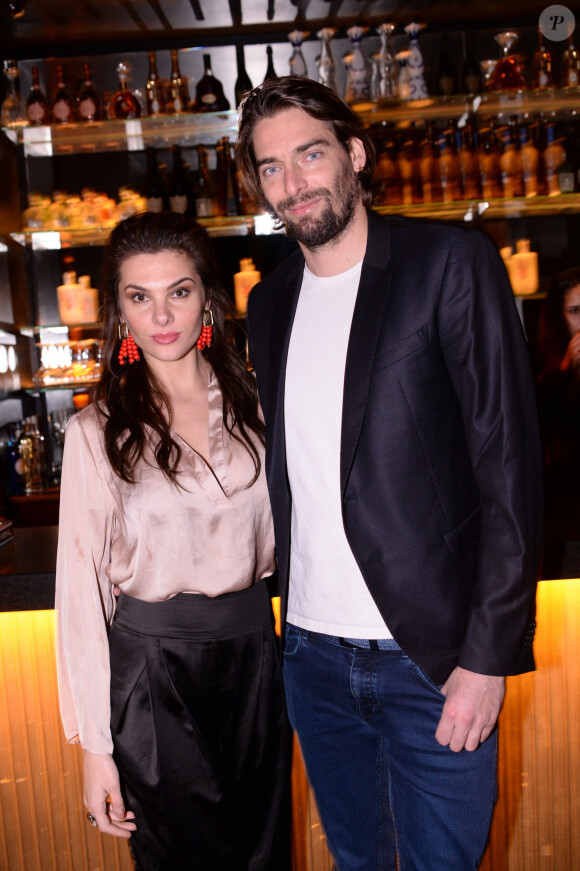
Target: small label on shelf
x=37 y=141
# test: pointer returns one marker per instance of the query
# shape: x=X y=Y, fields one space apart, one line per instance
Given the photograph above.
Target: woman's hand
x=102 y=796
x=572 y=356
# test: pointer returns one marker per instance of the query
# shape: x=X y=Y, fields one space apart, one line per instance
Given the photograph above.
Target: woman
x=174 y=694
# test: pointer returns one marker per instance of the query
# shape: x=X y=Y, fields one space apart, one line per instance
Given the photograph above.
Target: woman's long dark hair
x=553 y=335
x=130 y=397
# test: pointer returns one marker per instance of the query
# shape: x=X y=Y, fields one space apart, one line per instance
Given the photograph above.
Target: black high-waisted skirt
x=200 y=732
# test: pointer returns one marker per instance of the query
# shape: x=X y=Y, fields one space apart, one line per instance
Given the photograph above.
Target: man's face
x=307 y=178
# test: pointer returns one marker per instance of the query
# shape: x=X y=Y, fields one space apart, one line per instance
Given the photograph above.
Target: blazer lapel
x=366 y=326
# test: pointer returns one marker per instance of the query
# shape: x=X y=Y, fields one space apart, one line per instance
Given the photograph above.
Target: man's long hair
x=316 y=100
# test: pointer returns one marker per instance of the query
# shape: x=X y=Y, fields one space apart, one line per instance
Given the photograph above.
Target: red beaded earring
x=128 y=347
x=206 y=336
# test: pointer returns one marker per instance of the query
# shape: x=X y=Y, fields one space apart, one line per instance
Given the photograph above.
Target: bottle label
x=204 y=206
x=210 y=99
x=36 y=112
x=155 y=204
x=178 y=204
x=87 y=108
x=61 y=110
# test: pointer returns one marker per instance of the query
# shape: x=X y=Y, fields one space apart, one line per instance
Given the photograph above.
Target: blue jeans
x=366 y=722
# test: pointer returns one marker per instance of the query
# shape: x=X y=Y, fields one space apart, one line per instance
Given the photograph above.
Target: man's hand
x=102 y=795
x=471 y=708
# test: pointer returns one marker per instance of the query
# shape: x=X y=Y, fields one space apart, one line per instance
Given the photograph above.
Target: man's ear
x=357 y=154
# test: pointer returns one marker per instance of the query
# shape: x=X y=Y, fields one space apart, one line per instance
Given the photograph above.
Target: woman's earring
x=128 y=347
x=206 y=335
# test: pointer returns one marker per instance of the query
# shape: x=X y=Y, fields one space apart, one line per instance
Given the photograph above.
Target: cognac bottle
x=243 y=83
x=124 y=104
x=270 y=71
x=178 y=94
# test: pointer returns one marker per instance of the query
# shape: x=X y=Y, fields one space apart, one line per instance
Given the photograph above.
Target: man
x=404 y=470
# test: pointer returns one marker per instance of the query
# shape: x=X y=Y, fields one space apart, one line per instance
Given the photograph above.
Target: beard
x=315 y=231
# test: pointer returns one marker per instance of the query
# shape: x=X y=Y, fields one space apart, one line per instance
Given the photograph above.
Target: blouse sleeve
x=84 y=600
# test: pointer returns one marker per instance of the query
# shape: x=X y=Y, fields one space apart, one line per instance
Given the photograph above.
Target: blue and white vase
x=326 y=67
x=415 y=65
x=359 y=72
x=297 y=62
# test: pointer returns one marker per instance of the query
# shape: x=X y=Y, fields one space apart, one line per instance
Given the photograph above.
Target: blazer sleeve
x=488 y=362
x=84 y=600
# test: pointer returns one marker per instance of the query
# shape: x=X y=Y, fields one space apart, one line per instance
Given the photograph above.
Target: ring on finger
x=92 y=819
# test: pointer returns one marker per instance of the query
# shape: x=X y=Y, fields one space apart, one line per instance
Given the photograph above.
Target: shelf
x=473 y=210
x=164 y=131
x=565 y=104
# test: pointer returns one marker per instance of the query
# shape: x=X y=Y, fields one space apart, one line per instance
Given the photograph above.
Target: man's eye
x=268 y=171
x=313 y=155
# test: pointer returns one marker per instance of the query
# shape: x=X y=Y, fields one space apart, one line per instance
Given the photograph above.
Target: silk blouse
x=153 y=539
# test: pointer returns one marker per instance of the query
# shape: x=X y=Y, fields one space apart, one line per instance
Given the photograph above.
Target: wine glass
x=508 y=72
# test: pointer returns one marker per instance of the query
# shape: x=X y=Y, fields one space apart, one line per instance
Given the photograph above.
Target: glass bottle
x=489 y=167
x=124 y=104
x=89 y=105
x=180 y=195
x=270 y=71
x=37 y=107
x=154 y=189
x=32 y=453
x=449 y=170
x=554 y=156
x=512 y=176
x=469 y=164
x=154 y=88
x=177 y=90
x=415 y=64
x=542 y=66
x=410 y=170
x=297 y=62
x=388 y=173
x=470 y=71
x=63 y=108
x=430 y=177
x=227 y=195
x=530 y=157
x=358 y=74
x=570 y=67
x=507 y=75
x=12 y=114
x=445 y=70
x=243 y=83
x=387 y=66
x=204 y=193
x=326 y=67
x=209 y=92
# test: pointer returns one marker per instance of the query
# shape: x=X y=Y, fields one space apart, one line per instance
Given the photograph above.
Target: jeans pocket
x=425 y=679
x=292 y=640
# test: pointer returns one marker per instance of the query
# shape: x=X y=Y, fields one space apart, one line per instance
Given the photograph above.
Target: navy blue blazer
x=440 y=462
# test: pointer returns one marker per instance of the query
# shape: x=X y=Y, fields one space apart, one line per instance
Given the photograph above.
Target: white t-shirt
x=327 y=592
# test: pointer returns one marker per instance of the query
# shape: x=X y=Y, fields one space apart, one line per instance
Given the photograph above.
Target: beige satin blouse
x=151 y=538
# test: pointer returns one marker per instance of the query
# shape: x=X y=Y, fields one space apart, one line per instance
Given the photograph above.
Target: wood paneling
x=535 y=827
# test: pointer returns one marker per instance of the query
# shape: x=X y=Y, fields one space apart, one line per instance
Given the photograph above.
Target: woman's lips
x=165 y=338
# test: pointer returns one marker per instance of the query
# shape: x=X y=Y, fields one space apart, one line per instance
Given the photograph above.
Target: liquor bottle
x=512 y=175
x=63 y=108
x=449 y=170
x=31 y=449
x=388 y=174
x=243 y=83
x=489 y=166
x=445 y=75
x=180 y=195
x=430 y=178
x=469 y=164
x=297 y=62
x=530 y=162
x=154 y=189
x=89 y=105
x=124 y=104
x=542 y=66
x=270 y=71
x=470 y=71
x=209 y=92
x=204 y=190
x=410 y=170
x=359 y=72
x=154 y=89
x=326 y=66
x=178 y=92
x=570 y=66
x=37 y=107
x=554 y=156
x=228 y=199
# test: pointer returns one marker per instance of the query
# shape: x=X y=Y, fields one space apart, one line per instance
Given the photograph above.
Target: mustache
x=305 y=198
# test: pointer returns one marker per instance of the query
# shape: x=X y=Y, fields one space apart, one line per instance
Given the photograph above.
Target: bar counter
x=42 y=817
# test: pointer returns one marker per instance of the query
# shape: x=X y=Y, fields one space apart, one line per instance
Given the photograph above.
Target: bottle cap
x=523 y=246
x=85 y=280
x=69 y=277
x=247 y=264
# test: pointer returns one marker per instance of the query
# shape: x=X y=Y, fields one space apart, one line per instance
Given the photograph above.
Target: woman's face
x=571 y=310
x=162 y=298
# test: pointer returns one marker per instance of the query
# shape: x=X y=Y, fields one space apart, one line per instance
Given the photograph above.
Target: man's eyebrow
x=298 y=150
